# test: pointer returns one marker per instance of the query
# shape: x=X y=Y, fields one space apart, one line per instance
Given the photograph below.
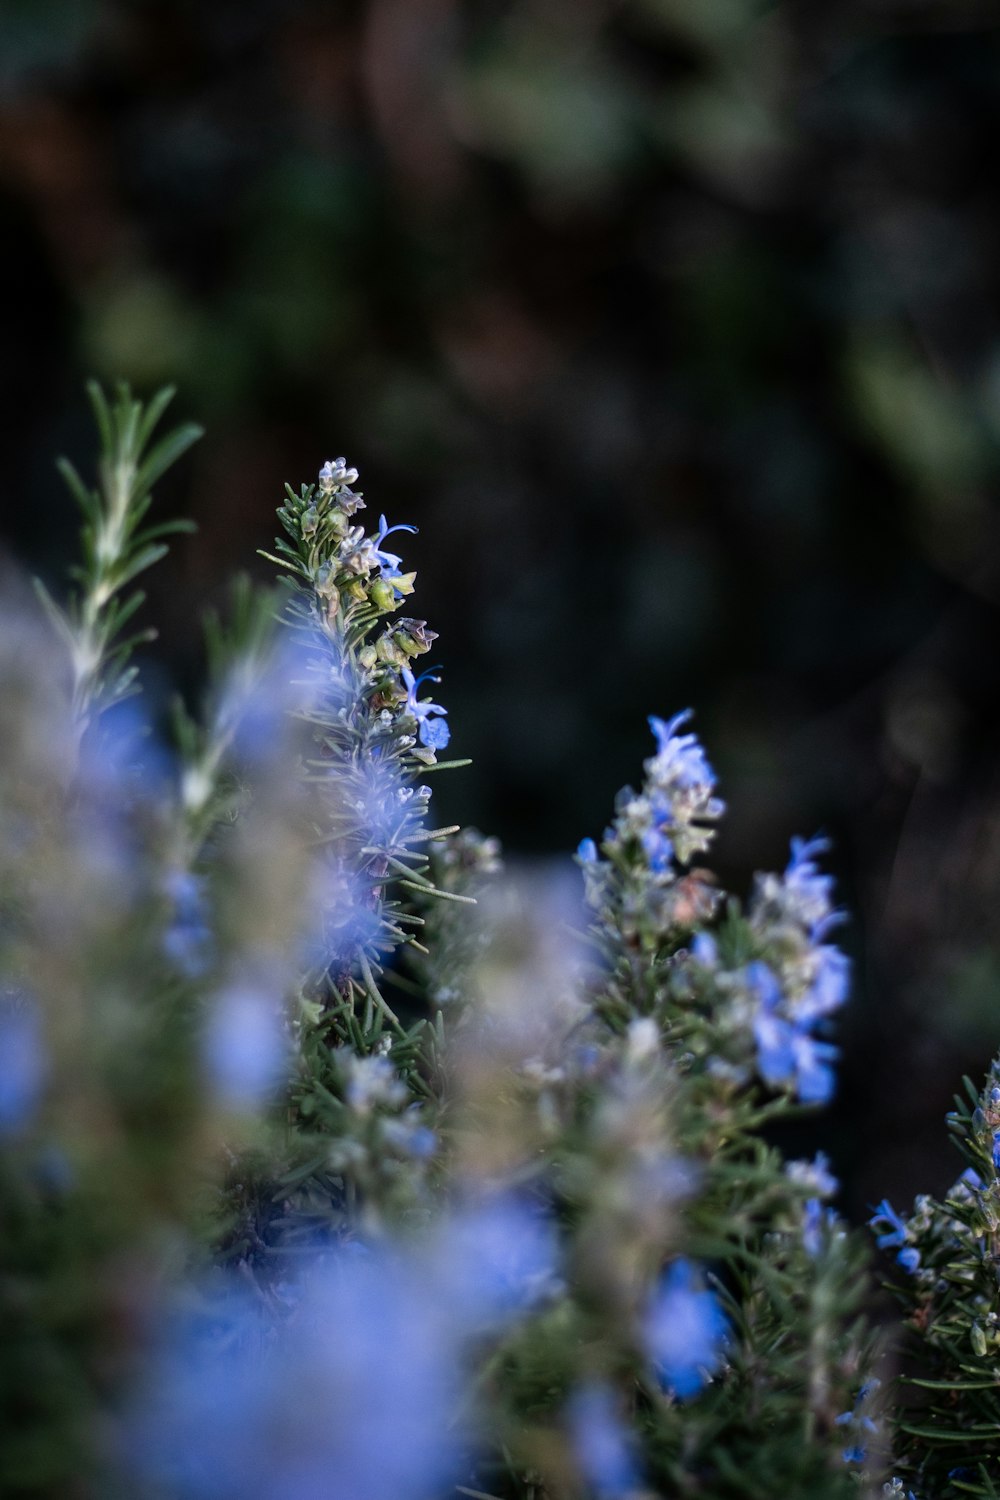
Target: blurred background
x=675 y=327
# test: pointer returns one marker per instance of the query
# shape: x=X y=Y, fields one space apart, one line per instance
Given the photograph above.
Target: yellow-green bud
x=381 y=595
x=388 y=650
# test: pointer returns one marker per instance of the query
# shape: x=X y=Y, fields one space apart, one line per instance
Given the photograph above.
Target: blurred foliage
x=674 y=325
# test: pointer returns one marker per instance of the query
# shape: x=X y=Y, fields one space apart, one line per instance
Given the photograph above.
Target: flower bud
x=413 y=636
x=381 y=595
x=388 y=650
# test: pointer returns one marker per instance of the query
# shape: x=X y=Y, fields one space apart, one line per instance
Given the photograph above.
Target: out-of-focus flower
x=350 y=1393
x=496 y=1258
x=602 y=1444
x=786 y=1052
x=685 y=1331
x=859 y=1423
x=814 y=1219
x=187 y=941
x=245 y=1045
x=23 y=1062
x=814 y=1174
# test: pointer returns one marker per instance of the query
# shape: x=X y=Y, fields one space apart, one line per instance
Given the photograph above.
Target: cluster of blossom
x=655 y=832
x=949 y=1250
x=385 y=1339
x=775 y=1003
x=374 y=732
x=527 y=1237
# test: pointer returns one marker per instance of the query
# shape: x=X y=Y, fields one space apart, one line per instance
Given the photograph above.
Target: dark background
x=673 y=324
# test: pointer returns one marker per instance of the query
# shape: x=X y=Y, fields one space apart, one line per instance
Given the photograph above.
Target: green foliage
x=951 y=1356
x=116 y=546
x=206 y=1096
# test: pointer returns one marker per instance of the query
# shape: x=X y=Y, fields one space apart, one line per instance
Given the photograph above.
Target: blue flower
x=657 y=844
x=23 y=1063
x=829 y=987
x=434 y=733
x=815 y=1078
x=685 y=1331
x=860 y=1422
x=497 y=1258
x=431 y=733
x=222 y=1415
x=187 y=941
x=896 y=1233
x=705 y=950
x=786 y=1052
x=602 y=1442
x=587 y=851
x=387 y=562
x=244 y=1047
x=684 y=760
x=808 y=891
x=815 y=1219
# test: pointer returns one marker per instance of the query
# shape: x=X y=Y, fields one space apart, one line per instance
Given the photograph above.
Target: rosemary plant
x=335 y=1163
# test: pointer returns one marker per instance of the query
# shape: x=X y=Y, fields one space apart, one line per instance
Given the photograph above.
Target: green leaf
x=165 y=454
x=154 y=411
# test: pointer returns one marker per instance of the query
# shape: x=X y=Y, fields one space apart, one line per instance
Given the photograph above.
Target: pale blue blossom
x=786 y=1051
x=388 y=563
x=23 y=1062
x=859 y=1423
x=685 y=1330
x=245 y=1045
x=602 y=1443
x=351 y=1390
x=187 y=941
x=430 y=731
x=497 y=1257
